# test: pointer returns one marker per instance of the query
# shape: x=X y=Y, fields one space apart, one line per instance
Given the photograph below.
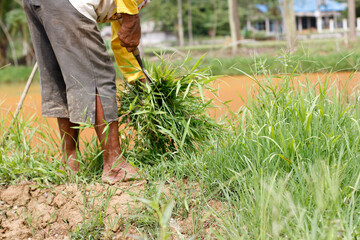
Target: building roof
x=311 y=6
x=262 y=8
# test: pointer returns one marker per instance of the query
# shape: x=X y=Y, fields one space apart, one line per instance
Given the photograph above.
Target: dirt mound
x=30 y=211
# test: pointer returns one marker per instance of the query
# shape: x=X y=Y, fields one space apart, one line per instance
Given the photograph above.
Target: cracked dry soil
x=30 y=212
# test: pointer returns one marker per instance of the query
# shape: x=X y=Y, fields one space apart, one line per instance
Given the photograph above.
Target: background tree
x=10 y=42
x=289 y=23
x=18 y=28
x=203 y=16
x=13 y=28
x=357 y=7
x=214 y=29
x=190 y=31
x=174 y=16
x=352 y=20
x=234 y=24
x=163 y=13
x=211 y=18
x=180 y=24
x=207 y=20
x=275 y=14
x=5 y=6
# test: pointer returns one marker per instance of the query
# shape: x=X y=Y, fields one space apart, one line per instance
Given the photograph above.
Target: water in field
x=230 y=88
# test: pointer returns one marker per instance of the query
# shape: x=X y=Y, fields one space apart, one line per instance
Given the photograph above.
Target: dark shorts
x=73 y=62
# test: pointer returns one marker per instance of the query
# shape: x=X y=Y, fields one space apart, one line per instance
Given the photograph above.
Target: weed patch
x=168 y=115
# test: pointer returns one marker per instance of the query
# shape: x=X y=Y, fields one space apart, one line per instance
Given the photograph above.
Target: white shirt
x=105 y=10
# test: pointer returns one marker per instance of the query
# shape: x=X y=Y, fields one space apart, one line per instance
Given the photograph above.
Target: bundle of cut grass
x=168 y=115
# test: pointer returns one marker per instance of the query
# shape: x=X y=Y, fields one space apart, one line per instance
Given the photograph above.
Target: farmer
x=76 y=73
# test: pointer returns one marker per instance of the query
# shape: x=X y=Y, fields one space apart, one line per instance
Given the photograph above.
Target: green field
x=329 y=55
x=286 y=166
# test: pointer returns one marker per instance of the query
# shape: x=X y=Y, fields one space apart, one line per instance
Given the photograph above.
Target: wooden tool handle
x=136 y=52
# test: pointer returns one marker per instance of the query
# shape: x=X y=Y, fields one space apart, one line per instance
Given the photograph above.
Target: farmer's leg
x=69 y=142
x=83 y=59
x=115 y=166
x=53 y=88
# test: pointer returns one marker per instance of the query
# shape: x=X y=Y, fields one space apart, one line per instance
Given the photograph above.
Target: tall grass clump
x=32 y=153
x=167 y=115
x=21 y=159
x=291 y=168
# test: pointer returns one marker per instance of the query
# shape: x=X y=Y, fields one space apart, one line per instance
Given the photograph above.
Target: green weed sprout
x=161 y=212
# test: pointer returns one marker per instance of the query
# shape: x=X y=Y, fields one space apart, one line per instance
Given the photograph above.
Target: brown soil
x=230 y=88
x=30 y=212
x=236 y=88
x=51 y=213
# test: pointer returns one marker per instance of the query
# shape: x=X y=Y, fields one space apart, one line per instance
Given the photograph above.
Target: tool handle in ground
x=17 y=111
